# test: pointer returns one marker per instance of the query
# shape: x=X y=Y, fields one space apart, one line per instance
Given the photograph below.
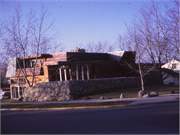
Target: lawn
x=132 y=92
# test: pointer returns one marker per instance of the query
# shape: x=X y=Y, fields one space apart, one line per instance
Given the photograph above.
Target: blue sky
x=82 y=21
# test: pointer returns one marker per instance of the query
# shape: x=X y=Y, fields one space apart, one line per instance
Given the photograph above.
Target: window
x=173 y=66
x=22 y=80
x=14 y=92
x=17 y=92
x=14 y=81
x=21 y=90
x=31 y=63
x=27 y=63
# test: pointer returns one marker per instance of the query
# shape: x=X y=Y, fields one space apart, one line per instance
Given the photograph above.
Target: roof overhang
x=39 y=56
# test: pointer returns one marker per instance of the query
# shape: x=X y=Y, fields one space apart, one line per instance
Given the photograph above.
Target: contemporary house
x=171 y=72
x=65 y=66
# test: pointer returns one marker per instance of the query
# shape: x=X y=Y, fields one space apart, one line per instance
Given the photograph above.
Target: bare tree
x=135 y=38
x=123 y=43
x=153 y=35
x=160 y=31
x=165 y=28
x=28 y=34
x=158 y=24
x=169 y=24
x=100 y=47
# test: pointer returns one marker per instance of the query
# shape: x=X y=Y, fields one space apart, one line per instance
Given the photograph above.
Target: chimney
x=78 y=50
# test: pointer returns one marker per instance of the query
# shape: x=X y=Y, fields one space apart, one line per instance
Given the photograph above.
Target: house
x=171 y=72
x=65 y=66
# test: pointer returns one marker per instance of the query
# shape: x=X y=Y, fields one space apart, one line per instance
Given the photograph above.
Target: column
x=70 y=74
x=82 y=72
x=87 y=72
x=60 y=74
x=18 y=92
x=14 y=92
x=11 y=93
x=65 y=74
x=77 y=73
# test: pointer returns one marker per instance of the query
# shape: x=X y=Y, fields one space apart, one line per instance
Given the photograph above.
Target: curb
x=63 y=108
x=141 y=104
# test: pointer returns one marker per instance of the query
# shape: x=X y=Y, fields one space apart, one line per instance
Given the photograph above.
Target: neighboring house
x=171 y=72
x=63 y=66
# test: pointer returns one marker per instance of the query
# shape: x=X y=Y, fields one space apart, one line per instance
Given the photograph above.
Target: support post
x=60 y=74
x=77 y=73
x=70 y=74
x=18 y=92
x=82 y=72
x=65 y=75
x=11 y=93
x=14 y=92
x=87 y=72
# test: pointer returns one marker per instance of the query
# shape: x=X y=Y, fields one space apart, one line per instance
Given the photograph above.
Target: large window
x=19 y=80
x=31 y=63
x=14 y=81
x=22 y=80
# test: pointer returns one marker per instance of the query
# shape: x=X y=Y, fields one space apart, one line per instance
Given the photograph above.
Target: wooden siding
x=39 y=56
x=57 y=57
x=38 y=71
x=37 y=78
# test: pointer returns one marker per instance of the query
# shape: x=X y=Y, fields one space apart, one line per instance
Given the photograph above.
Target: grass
x=132 y=92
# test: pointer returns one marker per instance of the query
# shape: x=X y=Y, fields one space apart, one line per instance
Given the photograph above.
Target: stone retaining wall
x=69 y=90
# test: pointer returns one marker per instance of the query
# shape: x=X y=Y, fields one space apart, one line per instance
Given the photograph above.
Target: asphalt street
x=157 y=118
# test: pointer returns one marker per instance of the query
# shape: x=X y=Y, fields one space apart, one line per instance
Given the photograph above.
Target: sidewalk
x=92 y=103
x=159 y=99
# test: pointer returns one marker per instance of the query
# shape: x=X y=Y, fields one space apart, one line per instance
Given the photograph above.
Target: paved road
x=162 y=118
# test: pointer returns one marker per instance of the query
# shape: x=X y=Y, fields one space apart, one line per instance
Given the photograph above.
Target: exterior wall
x=171 y=80
x=37 y=79
x=69 y=90
x=153 y=78
x=108 y=70
x=62 y=56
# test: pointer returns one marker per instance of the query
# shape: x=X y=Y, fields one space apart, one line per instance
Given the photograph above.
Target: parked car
x=5 y=93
